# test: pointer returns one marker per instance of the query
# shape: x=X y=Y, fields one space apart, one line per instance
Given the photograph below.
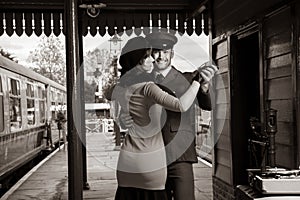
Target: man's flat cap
x=161 y=40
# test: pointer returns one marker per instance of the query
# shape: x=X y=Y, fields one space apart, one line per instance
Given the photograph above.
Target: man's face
x=162 y=58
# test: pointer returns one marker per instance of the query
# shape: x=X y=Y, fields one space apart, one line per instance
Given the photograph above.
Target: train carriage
x=27 y=101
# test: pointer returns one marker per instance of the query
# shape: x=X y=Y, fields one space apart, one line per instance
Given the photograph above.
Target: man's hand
x=207 y=72
x=126 y=120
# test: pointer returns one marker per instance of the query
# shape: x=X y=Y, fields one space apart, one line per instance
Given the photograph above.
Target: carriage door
x=245 y=99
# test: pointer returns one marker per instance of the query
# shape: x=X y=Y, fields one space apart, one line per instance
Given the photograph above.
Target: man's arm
x=204 y=75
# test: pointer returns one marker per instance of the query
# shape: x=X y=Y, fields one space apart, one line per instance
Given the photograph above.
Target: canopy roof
x=40 y=16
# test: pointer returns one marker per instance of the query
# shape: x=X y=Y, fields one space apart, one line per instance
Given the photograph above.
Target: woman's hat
x=133 y=52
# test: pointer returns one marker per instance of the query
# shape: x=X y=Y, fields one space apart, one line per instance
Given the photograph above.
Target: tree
x=7 y=55
x=49 y=59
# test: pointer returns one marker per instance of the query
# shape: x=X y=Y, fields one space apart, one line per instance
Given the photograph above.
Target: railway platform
x=49 y=180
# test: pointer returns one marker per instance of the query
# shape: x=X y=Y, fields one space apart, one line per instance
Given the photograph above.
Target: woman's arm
x=170 y=102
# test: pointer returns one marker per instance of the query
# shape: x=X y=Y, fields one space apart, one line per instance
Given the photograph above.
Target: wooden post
x=73 y=101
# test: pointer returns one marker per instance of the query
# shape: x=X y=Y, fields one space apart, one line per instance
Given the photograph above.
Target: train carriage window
x=14 y=104
x=30 y=104
x=14 y=87
x=42 y=101
x=1 y=107
x=29 y=90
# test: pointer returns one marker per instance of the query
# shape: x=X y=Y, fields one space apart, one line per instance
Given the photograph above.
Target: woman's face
x=147 y=62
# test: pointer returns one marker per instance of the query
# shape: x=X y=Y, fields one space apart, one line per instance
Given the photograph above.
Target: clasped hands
x=204 y=74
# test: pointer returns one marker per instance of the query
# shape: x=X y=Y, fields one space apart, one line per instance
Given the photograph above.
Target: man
x=179 y=128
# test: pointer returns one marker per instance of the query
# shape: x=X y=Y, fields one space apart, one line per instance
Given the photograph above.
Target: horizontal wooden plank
x=278 y=44
x=223 y=157
x=279 y=66
x=280 y=88
x=280 y=72
x=222 y=111
x=221 y=127
x=279 y=22
x=285 y=133
x=223 y=173
x=285 y=156
x=279 y=61
x=223 y=143
x=284 y=110
x=222 y=96
x=220 y=50
x=221 y=80
x=222 y=63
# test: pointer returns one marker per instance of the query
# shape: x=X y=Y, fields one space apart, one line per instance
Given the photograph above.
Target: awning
x=37 y=17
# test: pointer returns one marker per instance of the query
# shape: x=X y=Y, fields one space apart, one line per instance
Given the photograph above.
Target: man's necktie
x=159 y=78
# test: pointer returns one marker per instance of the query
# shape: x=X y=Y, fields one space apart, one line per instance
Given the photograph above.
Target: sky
x=190 y=51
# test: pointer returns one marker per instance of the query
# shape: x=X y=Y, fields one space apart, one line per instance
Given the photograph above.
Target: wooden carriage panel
x=222 y=96
x=279 y=66
x=222 y=150
x=222 y=63
x=277 y=23
x=223 y=172
x=223 y=156
x=278 y=44
x=279 y=61
x=221 y=81
x=284 y=156
x=284 y=134
x=222 y=127
x=222 y=111
x=224 y=142
x=280 y=88
x=220 y=50
x=230 y=14
x=284 y=110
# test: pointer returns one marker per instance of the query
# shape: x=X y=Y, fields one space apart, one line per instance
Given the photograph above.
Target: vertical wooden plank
x=138 y=23
x=120 y=23
x=56 y=23
x=62 y=24
x=172 y=21
x=47 y=23
x=189 y=26
x=101 y=23
x=198 y=24
x=1 y=24
x=9 y=23
x=19 y=23
x=163 y=20
x=181 y=19
x=146 y=23
x=129 y=24
x=38 y=23
x=206 y=19
x=155 y=23
x=111 y=23
x=297 y=37
x=28 y=23
x=296 y=80
x=230 y=52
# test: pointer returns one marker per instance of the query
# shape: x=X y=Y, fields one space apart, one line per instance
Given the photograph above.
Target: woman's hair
x=132 y=53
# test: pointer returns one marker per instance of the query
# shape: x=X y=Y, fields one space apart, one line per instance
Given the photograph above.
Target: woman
x=141 y=169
